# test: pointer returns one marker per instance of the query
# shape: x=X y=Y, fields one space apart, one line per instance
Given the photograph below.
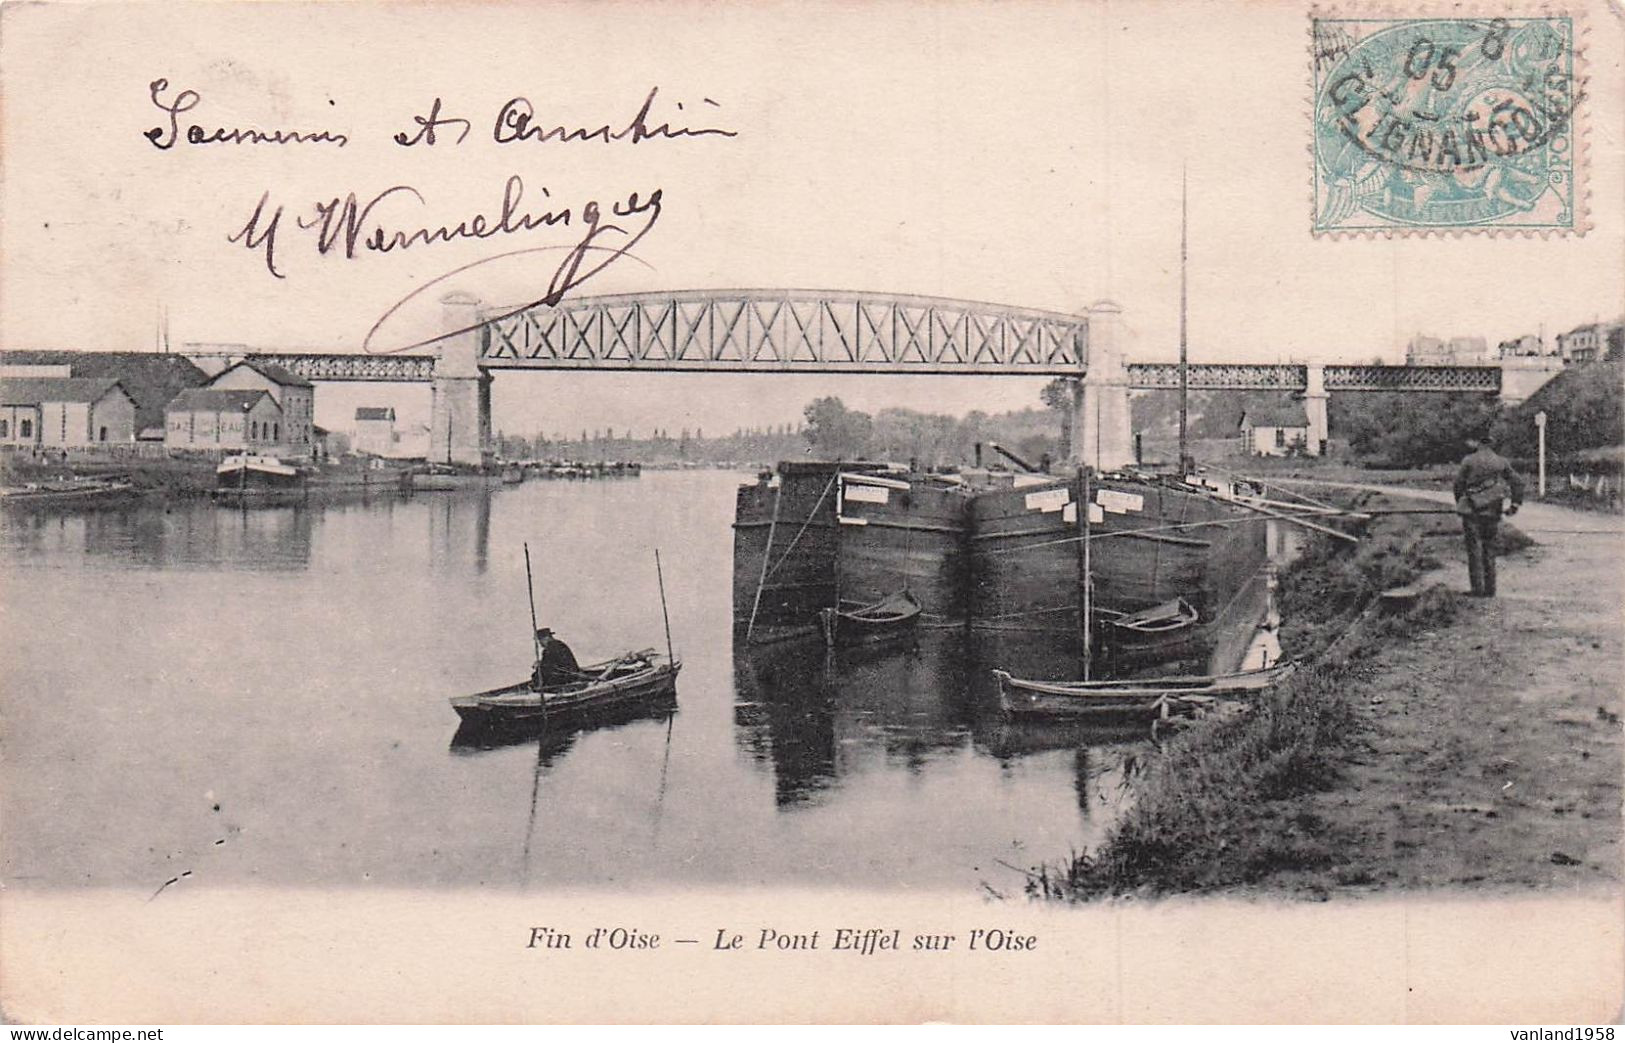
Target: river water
x=260 y=696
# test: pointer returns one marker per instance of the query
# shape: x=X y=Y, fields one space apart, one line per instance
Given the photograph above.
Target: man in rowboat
x=1483 y=482
x=557 y=664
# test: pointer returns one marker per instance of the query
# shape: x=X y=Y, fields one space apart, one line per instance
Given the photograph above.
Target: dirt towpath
x=1495 y=753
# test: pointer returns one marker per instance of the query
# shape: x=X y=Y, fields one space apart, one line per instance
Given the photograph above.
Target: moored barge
x=1172 y=566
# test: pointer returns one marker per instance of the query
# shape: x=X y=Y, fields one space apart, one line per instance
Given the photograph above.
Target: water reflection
x=197 y=535
x=553 y=740
x=817 y=717
x=460 y=527
x=293 y=665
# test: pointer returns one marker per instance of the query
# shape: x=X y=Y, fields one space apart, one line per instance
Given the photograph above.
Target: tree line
x=1584 y=406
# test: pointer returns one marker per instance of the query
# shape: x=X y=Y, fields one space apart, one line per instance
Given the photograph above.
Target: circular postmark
x=1444 y=121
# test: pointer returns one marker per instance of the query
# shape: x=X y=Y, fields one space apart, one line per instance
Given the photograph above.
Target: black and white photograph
x=1071 y=512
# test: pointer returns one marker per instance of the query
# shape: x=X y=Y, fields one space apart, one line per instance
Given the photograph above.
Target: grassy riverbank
x=159 y=477
x=1342 y=778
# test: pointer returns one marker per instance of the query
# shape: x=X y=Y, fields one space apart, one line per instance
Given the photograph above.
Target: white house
x=1272 y=430
x=374 y=430
x=209 y=419
x=295 y=397
x=64 y=412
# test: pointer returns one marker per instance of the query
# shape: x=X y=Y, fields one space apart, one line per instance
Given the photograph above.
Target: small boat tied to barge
x=627 y=682
x=888 y=619
x=1149 y=697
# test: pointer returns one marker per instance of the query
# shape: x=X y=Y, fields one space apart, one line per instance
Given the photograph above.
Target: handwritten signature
x=185 y=101
x=348 y=228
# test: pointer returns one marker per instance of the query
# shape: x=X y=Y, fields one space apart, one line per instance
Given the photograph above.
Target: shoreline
x=1467 y=744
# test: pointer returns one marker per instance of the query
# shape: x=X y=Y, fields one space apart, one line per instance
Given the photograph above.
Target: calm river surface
x=261 y=696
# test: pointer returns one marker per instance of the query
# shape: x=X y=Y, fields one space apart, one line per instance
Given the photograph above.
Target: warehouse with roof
x=64 y=412
x=221 y=419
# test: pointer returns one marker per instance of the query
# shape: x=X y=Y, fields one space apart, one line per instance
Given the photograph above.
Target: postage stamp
x=1446 y=124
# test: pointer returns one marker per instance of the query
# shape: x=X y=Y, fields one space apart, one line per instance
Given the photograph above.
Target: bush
x=1398 y=429
x=1584 y=410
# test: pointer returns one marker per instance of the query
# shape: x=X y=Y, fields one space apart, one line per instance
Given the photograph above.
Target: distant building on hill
x=1526 y=346
x=1591 y=342
x=65 y=412
x=1273 y=430
x=1434 y=351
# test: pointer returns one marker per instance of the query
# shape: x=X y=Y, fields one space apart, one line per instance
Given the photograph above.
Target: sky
x=1023 y=154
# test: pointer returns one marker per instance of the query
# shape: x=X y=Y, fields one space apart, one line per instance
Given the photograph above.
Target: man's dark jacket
x=1483 y=481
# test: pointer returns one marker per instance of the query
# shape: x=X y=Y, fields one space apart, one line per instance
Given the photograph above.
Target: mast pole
x=535 y=646
x=666 y=616
x=1088 y=575
x=767 y=556
x=1184 y=363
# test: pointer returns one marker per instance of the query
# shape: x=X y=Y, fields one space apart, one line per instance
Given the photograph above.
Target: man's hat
x=544 y=632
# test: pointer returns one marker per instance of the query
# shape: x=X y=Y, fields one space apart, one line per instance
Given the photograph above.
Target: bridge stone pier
x=1523 y=376
x=460 y=412
x=1102 y=431
x=1315 y=403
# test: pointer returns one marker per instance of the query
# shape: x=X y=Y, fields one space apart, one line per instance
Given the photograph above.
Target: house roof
x=375 y=413
x=273 y=372
x=31 y=391
x=151 y=379
x=218 y=400
x=1271 y=414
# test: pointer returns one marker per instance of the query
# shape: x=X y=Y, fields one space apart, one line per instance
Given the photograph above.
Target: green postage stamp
x=1457 y=124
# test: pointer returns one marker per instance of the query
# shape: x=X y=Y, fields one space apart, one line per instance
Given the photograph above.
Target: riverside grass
x=1213 y=808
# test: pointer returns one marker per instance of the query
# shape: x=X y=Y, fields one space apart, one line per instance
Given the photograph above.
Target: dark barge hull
x=819 y=534
x=997 y=559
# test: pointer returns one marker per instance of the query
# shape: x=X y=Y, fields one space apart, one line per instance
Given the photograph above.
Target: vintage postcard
x=1024 y=512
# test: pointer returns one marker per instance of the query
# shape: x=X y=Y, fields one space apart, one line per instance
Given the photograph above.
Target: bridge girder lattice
x=777 y=331
x=1164 y=376
x=340 y=366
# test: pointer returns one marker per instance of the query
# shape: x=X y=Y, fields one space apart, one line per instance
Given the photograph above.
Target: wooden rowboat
x=612 y=685
x=1155 y=696
x=891 y=617
x=1168 y=617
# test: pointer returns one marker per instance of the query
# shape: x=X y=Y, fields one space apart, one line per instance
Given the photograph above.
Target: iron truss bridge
x=1164 y=376
x=338 y=366
x=777 y=331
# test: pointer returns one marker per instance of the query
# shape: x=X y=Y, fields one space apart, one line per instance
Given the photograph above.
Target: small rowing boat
x=634 y=678
x=1151 y=696
x=1168 y=617
x=891 y=617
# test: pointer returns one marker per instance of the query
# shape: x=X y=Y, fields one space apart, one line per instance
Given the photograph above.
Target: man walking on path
x=1484 y=481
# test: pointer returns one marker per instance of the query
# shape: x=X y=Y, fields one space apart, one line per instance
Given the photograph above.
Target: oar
x=661 y=578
